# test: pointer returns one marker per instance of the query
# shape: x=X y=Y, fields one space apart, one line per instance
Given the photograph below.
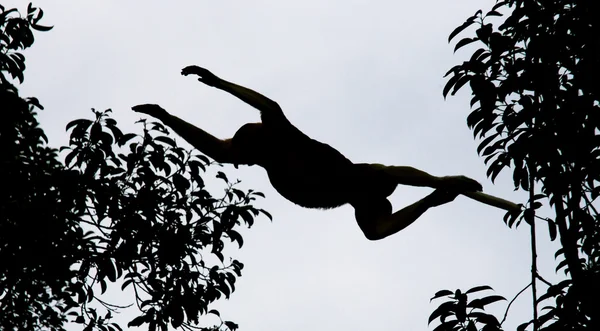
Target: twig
x=534 y=275
x=110 y=306
x=543 y=280
x=511 y=302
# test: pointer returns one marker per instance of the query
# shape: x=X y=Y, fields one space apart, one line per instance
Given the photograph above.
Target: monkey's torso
x=310 y=173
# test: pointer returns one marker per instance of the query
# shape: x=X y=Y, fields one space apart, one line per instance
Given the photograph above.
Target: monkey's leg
x=466 y=186
x=406 y=175
x=377 y=221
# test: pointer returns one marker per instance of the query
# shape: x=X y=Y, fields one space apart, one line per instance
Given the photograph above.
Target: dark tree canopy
x=128 y=209
x=536 y=110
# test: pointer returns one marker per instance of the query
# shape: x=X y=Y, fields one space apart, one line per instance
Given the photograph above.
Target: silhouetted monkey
x=313 y=174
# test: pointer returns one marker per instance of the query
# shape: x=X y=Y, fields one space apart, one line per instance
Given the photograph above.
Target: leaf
x=114 y=129
x=235 y=236
x=484 y=318
x=247 y=217
x=181 y=183
x=34 y=101
x=552 y=229
x=193 y=164
x=493 y=13
x=481 y=303
x=451 y=82
x=460 y=83
x=214 y=312
x=222 y=176
x=464 y=42
x=486 y=142
x=479 y=288
x=440 y=294
x=446 y=326
x=499 y=4
x=112 y=268
x=95 y=133
x=102 y=286
x=176 y=315
x=166 y=140
x=561 y=265
x=524 y=326
x=126 y=283
x=511 y=216
x=41 y=27
x=70 y=157
x=484 y=33
x=266 y=213
x=137 y=321
x=476 y=54
x=454 y=69
x=232 y=326
x=554 y=290
x=443 y=310
x=475 y=117
x=39 y=16
x=125 y=138
x=459 y=29
x=238 y=193
x=84 y=123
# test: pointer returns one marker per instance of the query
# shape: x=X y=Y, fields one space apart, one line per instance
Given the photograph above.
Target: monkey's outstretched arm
x=217 y=149
x=269 y=109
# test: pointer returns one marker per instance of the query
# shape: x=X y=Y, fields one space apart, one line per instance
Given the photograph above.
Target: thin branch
x=589 y=203
x=543 y=280
x=513 y=300
x=534 y=275
x=110 y=306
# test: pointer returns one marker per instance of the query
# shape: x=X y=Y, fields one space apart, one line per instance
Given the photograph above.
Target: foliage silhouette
x=536 y=102
x=461 y=313
x=124 y=208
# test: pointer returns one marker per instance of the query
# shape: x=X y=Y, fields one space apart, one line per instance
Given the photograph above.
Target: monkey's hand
x=204 y=75
x=460 y=184
x=153 y=110
x=440 y=197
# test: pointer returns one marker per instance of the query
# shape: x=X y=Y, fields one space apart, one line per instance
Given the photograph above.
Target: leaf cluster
x=16 y=34
x=111 y=208
x=536 y=110
x=153 y=220
x=460 y=313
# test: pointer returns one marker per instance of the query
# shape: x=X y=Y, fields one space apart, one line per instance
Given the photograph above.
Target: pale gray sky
x=363 y=76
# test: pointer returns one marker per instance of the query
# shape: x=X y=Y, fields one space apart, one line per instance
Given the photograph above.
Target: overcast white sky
x=363 y=76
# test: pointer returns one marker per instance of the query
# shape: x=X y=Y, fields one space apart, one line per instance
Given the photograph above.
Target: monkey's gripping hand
x=153 y=110
x=460 y=184
x=204 y=75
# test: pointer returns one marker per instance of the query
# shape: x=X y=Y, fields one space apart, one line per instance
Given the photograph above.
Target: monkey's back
x=315 y=175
